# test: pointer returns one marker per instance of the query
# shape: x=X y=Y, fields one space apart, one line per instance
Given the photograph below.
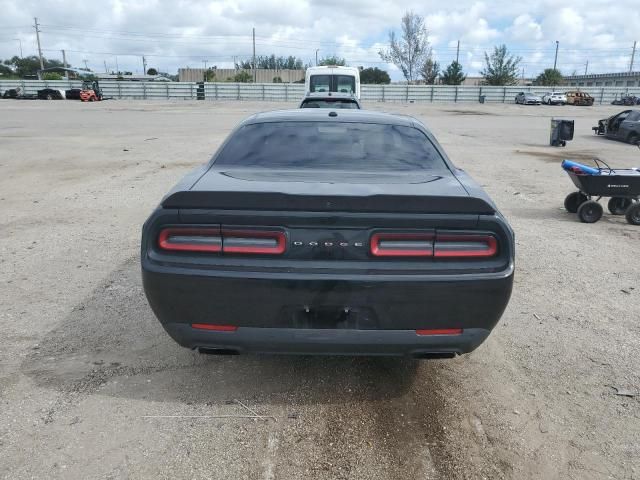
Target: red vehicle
x=91 y=92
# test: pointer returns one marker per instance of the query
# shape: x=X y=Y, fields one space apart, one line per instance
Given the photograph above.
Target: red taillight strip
x=277 y=249
x=378 y=251
x=217 y=328
x=444 y=246
x=440 y=331
x=212 y=235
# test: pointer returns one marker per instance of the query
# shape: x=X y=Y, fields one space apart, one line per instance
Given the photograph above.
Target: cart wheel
x=619 y=205
x=633 y=214
x=573 y=201
x=590 y=212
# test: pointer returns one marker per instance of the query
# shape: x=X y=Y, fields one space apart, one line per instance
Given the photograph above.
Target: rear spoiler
x=322 y=203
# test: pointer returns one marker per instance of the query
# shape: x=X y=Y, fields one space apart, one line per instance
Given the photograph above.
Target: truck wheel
x=590 y=212
x=633 y=214
x=619 y=205
x=573 y=201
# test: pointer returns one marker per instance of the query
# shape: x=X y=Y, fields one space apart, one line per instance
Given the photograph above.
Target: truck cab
x=332 y=79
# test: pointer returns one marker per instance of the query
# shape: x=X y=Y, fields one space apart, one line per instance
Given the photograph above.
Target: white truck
x=332 y=80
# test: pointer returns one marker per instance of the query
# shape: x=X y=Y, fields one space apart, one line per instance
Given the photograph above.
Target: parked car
x=554 y=98
x=626 y=100
x=330 y=101
x=73 y=93
x=623 y=126
x=51 y=94
x=579 y=98
x=526 y=98
x=328 y=232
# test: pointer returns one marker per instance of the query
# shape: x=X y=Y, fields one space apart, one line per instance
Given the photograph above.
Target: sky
x=181 y=33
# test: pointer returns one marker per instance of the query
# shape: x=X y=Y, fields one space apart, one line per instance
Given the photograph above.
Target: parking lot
x=92 y=387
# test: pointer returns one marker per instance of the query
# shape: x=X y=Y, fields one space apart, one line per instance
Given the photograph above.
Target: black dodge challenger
x=315 y=231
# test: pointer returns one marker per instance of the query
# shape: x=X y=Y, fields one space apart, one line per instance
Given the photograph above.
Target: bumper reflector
x=440 y=331
x=216 y=328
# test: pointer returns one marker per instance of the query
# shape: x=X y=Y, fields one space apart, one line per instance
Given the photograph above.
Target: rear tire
x=633 y=214
x=573 y=201
x=590 y=212
x=619 y=205
x=633 y=139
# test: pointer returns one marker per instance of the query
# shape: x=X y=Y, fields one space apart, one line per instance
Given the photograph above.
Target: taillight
x=433 y=244
x=254 y=242
x=402 y=244
x=214 y=328
x=190 y=239
x=209 y=239
x=455 y=245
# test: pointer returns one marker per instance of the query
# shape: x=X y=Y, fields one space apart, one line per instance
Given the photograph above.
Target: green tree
x=277 y=80
x=271 y=62
x=411 y=51
x=210 y=75
x=550 y=77
x=430 y=71
x=501 y=67
x=453 y=75
x=25 y=66
x=52 y=76
x=332 y=60
x=152 y=71
x=242 y=77
x=6 y=72
x=374 y=76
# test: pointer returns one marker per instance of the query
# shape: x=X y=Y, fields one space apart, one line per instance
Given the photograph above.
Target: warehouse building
x=623 y=79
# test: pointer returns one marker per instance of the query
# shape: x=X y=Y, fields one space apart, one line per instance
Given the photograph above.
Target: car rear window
x=330 y=146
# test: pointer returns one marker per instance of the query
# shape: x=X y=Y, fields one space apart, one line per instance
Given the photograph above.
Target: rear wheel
x=633 y=214
x=634 y=139
x=619 y=205
x=49 y=96
x=573 y=201
x=590 y=212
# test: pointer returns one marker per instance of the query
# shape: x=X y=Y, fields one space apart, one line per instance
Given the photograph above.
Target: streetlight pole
x=555 y=62
x=20 y=42
x=317 y=49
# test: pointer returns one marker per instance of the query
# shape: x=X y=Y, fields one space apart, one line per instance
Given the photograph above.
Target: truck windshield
x=330 y=146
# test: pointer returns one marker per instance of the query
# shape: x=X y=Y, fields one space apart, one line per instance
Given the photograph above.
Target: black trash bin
x=200 y=91
x=481 y=98
x=561 y=132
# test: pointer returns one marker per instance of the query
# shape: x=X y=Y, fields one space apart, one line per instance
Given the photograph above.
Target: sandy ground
x=84 y=363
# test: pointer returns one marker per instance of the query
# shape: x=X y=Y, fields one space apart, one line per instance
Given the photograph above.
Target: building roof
x=603 y=75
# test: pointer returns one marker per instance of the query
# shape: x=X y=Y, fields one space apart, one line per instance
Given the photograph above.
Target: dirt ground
x=92 y=388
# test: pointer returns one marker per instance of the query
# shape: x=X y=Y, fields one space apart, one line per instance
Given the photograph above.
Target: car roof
x=329 y=115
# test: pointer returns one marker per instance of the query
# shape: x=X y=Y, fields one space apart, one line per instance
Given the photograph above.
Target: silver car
x=526 y=98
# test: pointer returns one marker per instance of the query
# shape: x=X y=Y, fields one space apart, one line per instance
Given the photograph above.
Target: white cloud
x=525 y=29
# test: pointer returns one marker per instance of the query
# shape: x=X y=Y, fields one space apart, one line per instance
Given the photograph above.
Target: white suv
x=554 y=98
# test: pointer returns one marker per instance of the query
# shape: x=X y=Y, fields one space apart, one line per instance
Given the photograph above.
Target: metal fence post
x=263 y=92
x=238 y=85
x=504 y=95
x=286 y=92
x=191 y=90
x=119 y=90
x=383 y=92
x=144 y=90
x=407 y=99
x=601 y=95
x=455 y=100
x=168 y=96
x=432 y=91
x=215 y=90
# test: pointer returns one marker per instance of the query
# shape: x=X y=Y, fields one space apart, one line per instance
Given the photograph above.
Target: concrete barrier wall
x=294 y=92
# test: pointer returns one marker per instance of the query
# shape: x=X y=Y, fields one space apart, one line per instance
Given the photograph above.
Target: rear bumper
x=327 y=341
x=270 y=311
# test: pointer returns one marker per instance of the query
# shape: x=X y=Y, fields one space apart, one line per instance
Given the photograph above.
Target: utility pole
x=523 y=76
x=317 y=56
x=64 y=63
x=633 y=56
x=144 y=65
x=86 y=67
x=586 y=67
x=35 y=19
x=20 y=42
x=106 y=70
x=555 y=62
x=205 y=64
x=254 y=55
x=458 y=52
x=117 y=68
